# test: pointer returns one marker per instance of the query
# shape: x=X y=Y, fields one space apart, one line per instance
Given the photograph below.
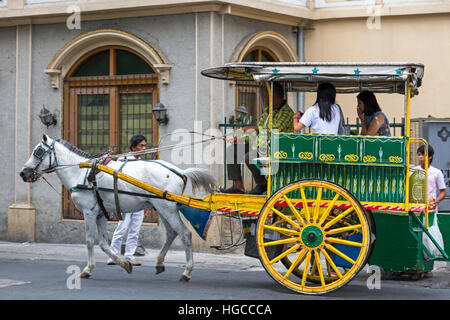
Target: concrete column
x=21 y=222
x=21 y=214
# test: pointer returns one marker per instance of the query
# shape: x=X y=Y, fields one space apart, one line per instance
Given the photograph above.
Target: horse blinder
x=39 y=153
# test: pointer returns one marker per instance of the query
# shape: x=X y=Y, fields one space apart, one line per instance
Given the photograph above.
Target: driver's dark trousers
x=236 y=155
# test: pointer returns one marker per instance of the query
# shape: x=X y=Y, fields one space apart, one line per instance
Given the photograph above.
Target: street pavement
x=223 y=270
x=176 y=258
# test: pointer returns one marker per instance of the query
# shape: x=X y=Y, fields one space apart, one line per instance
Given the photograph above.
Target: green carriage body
x=373 y=170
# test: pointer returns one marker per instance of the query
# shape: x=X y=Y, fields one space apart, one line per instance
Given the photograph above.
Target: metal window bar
x=104 y=112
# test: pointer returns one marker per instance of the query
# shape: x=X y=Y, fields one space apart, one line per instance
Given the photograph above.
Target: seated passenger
x=281 y=120
x=373 y=121
x=324 y=116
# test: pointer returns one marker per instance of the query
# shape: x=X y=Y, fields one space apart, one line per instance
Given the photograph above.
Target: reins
x=169 y=147
x=51 y=150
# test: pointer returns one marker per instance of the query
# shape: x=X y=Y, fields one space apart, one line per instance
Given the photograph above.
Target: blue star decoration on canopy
x=275 y=70
x=398 y=71
x=357 y=71
x=315 y=70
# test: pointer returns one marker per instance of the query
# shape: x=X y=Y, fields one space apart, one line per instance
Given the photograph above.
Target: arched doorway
x=109 y=94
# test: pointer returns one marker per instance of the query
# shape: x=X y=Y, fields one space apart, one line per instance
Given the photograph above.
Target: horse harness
x=40 y=153
x=91 y=177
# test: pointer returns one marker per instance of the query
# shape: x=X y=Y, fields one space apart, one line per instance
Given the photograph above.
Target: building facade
x=101 y=66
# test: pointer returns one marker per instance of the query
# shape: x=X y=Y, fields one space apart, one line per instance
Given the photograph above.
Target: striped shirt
x=281 y=121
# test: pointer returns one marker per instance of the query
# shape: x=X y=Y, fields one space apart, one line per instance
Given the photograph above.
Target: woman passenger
x=373 y=121
x=324 y=116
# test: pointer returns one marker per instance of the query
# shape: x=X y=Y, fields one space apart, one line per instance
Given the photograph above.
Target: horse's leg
x=186 y=238
x=89 y=224
x=170 y=236
x=103 y=242
x=171 y=214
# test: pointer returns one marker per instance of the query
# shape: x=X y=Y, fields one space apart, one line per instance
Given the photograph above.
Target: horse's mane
x=74 y=149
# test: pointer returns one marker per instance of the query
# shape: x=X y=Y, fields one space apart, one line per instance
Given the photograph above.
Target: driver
x=281 y=121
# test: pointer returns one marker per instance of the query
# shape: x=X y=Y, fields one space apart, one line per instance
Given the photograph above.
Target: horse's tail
x=200 y=178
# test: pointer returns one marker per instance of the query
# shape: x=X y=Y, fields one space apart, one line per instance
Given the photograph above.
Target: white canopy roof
x=388 y=77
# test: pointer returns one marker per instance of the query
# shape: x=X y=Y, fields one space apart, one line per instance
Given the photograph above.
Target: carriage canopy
x=347 y=77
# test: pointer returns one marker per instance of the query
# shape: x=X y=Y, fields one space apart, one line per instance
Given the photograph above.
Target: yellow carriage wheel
x=318 y=231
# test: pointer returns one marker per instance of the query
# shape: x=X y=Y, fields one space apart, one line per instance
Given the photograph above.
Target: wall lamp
x=241 y=115
x=160 y=113
x=47 y=118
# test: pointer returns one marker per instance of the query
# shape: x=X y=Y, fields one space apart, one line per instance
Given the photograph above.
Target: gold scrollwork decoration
x=351 y=157
x=369 y=158
x=305 y=155
x=280 y=155
x=326 y=157
x=395 y=159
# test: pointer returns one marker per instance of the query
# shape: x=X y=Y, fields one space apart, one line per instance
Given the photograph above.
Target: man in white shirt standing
x=436 y=182
x=132 y=221
x=436 y=186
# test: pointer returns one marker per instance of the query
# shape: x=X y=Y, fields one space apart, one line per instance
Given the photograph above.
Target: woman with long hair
x=373 y=121
x=324 y=116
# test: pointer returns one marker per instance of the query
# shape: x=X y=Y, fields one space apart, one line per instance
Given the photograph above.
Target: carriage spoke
x=306 y=267
x=319 y=266
x=284 y=254
x=305 y=205
x=289 y=220
x=314 y=267
x=344 y=242
x=295 y=263
x=328 y=268
x=277 y=242
x=345 y=229
x=343 y=256
x=330 y=207
x=317 y=204
x=287 y=232
x=338 y=218
x=294 y=210
x=330 y=262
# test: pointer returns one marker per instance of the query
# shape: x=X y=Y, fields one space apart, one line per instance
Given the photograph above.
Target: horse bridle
x=40 y=152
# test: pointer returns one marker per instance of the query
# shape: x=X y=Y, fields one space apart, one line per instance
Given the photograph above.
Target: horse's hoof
x=127 y=266
x=184 y=278
x=85 y=275
x=160 y=269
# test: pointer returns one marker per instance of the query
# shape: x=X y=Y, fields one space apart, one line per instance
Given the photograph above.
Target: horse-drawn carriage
x=333 y=204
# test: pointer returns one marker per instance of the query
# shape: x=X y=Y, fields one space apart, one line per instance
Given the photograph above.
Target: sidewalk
x=78 y=252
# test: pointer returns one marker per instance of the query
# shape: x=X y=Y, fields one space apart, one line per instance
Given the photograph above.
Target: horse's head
x=42 y=159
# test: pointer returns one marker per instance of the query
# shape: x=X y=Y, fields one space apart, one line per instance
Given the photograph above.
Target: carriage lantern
x=47 y=118
x=160 y=113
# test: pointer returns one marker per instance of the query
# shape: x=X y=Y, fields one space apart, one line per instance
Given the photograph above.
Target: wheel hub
x=312 y=236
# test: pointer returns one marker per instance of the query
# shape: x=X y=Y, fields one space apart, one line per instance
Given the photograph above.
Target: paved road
x=44 y=271
x=48 y=279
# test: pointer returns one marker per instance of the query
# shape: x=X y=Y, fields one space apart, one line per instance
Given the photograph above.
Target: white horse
x=60 y=156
